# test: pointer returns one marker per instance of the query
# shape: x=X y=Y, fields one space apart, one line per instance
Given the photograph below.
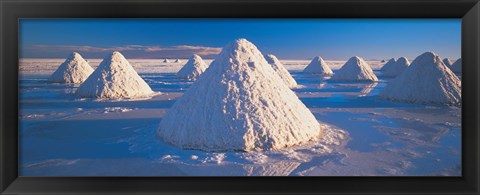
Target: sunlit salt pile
x=447 y=62
x=75 y=69
x=396 y=68
x=355 y=69
x=177 y=61
x=390 y=62
x=426 y=81
x=114 y=78
x=193 y=68
x=318 y=66
x=457 y=66
x=281 y=70
x=166 y=60
x=239 y=103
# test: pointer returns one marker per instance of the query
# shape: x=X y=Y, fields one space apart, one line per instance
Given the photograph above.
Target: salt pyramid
x=193 y=68
x=114 y=78
x=457 y=66
x=356 y=69
x=75 y=69
x=390 y=62
x=426 y=81
x=239 y=103
x=177 y=61
x=281 y=70
x=397 y=68
x=447 y=62
x=166 y=60
x=318 y=66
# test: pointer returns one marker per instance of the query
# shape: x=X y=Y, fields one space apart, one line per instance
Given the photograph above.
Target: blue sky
x=287 y=38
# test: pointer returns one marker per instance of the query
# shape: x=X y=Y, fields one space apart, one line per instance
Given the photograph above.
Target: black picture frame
x=13 y=10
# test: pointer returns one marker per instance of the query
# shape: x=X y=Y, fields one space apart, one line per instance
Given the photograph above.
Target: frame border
x=13 y=10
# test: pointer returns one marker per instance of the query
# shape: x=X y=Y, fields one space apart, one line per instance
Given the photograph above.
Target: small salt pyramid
x=318 y=66
x=390 y=62
x=426 y=81
x=447 y=62
x=166 y=60
x=193 y=68
x=177 y=61
x=239 y=103
x=397 y=68
x=114 y=78
x=355 y=69
x=75 y=69
x=281 y=70
x=457 y=66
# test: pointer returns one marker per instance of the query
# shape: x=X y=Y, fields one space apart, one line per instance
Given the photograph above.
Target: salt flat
x=41 y=66
x=62 y=135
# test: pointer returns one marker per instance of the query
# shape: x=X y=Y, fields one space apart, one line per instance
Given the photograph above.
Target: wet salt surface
x=61 y=135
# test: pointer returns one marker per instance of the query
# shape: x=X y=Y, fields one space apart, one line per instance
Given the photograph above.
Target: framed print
x=240 y=97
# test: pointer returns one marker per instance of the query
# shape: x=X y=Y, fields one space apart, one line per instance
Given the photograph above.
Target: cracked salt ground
x=65 y=136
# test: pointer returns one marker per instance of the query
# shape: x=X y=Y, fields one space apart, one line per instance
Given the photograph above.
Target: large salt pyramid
x=390 y=63
x=355 y=69
x=457 y=66
x=193 y=68
x=447 y=62
x=426 y=81
x=75 y=69
x=281 y=70
x=397 y=68
x=318 y=66
x=166 y=60
x=177 y=61
x=114 y=78
x=239 y=103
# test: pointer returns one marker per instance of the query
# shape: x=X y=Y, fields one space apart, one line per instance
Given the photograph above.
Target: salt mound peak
x=397 y=68
x=239 y=103
x=355 y=69
x=318 y=66
x=403 y=60
x=281 y=70
x=75 y=69
x=390 y=62
x=177 y=61
x=166 y=60
x=193 y=68
x=457 y=66
x=447 y=62
x=114 y=78
x=426 y=81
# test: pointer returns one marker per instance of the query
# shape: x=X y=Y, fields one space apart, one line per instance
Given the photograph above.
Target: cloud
x=130 y=51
